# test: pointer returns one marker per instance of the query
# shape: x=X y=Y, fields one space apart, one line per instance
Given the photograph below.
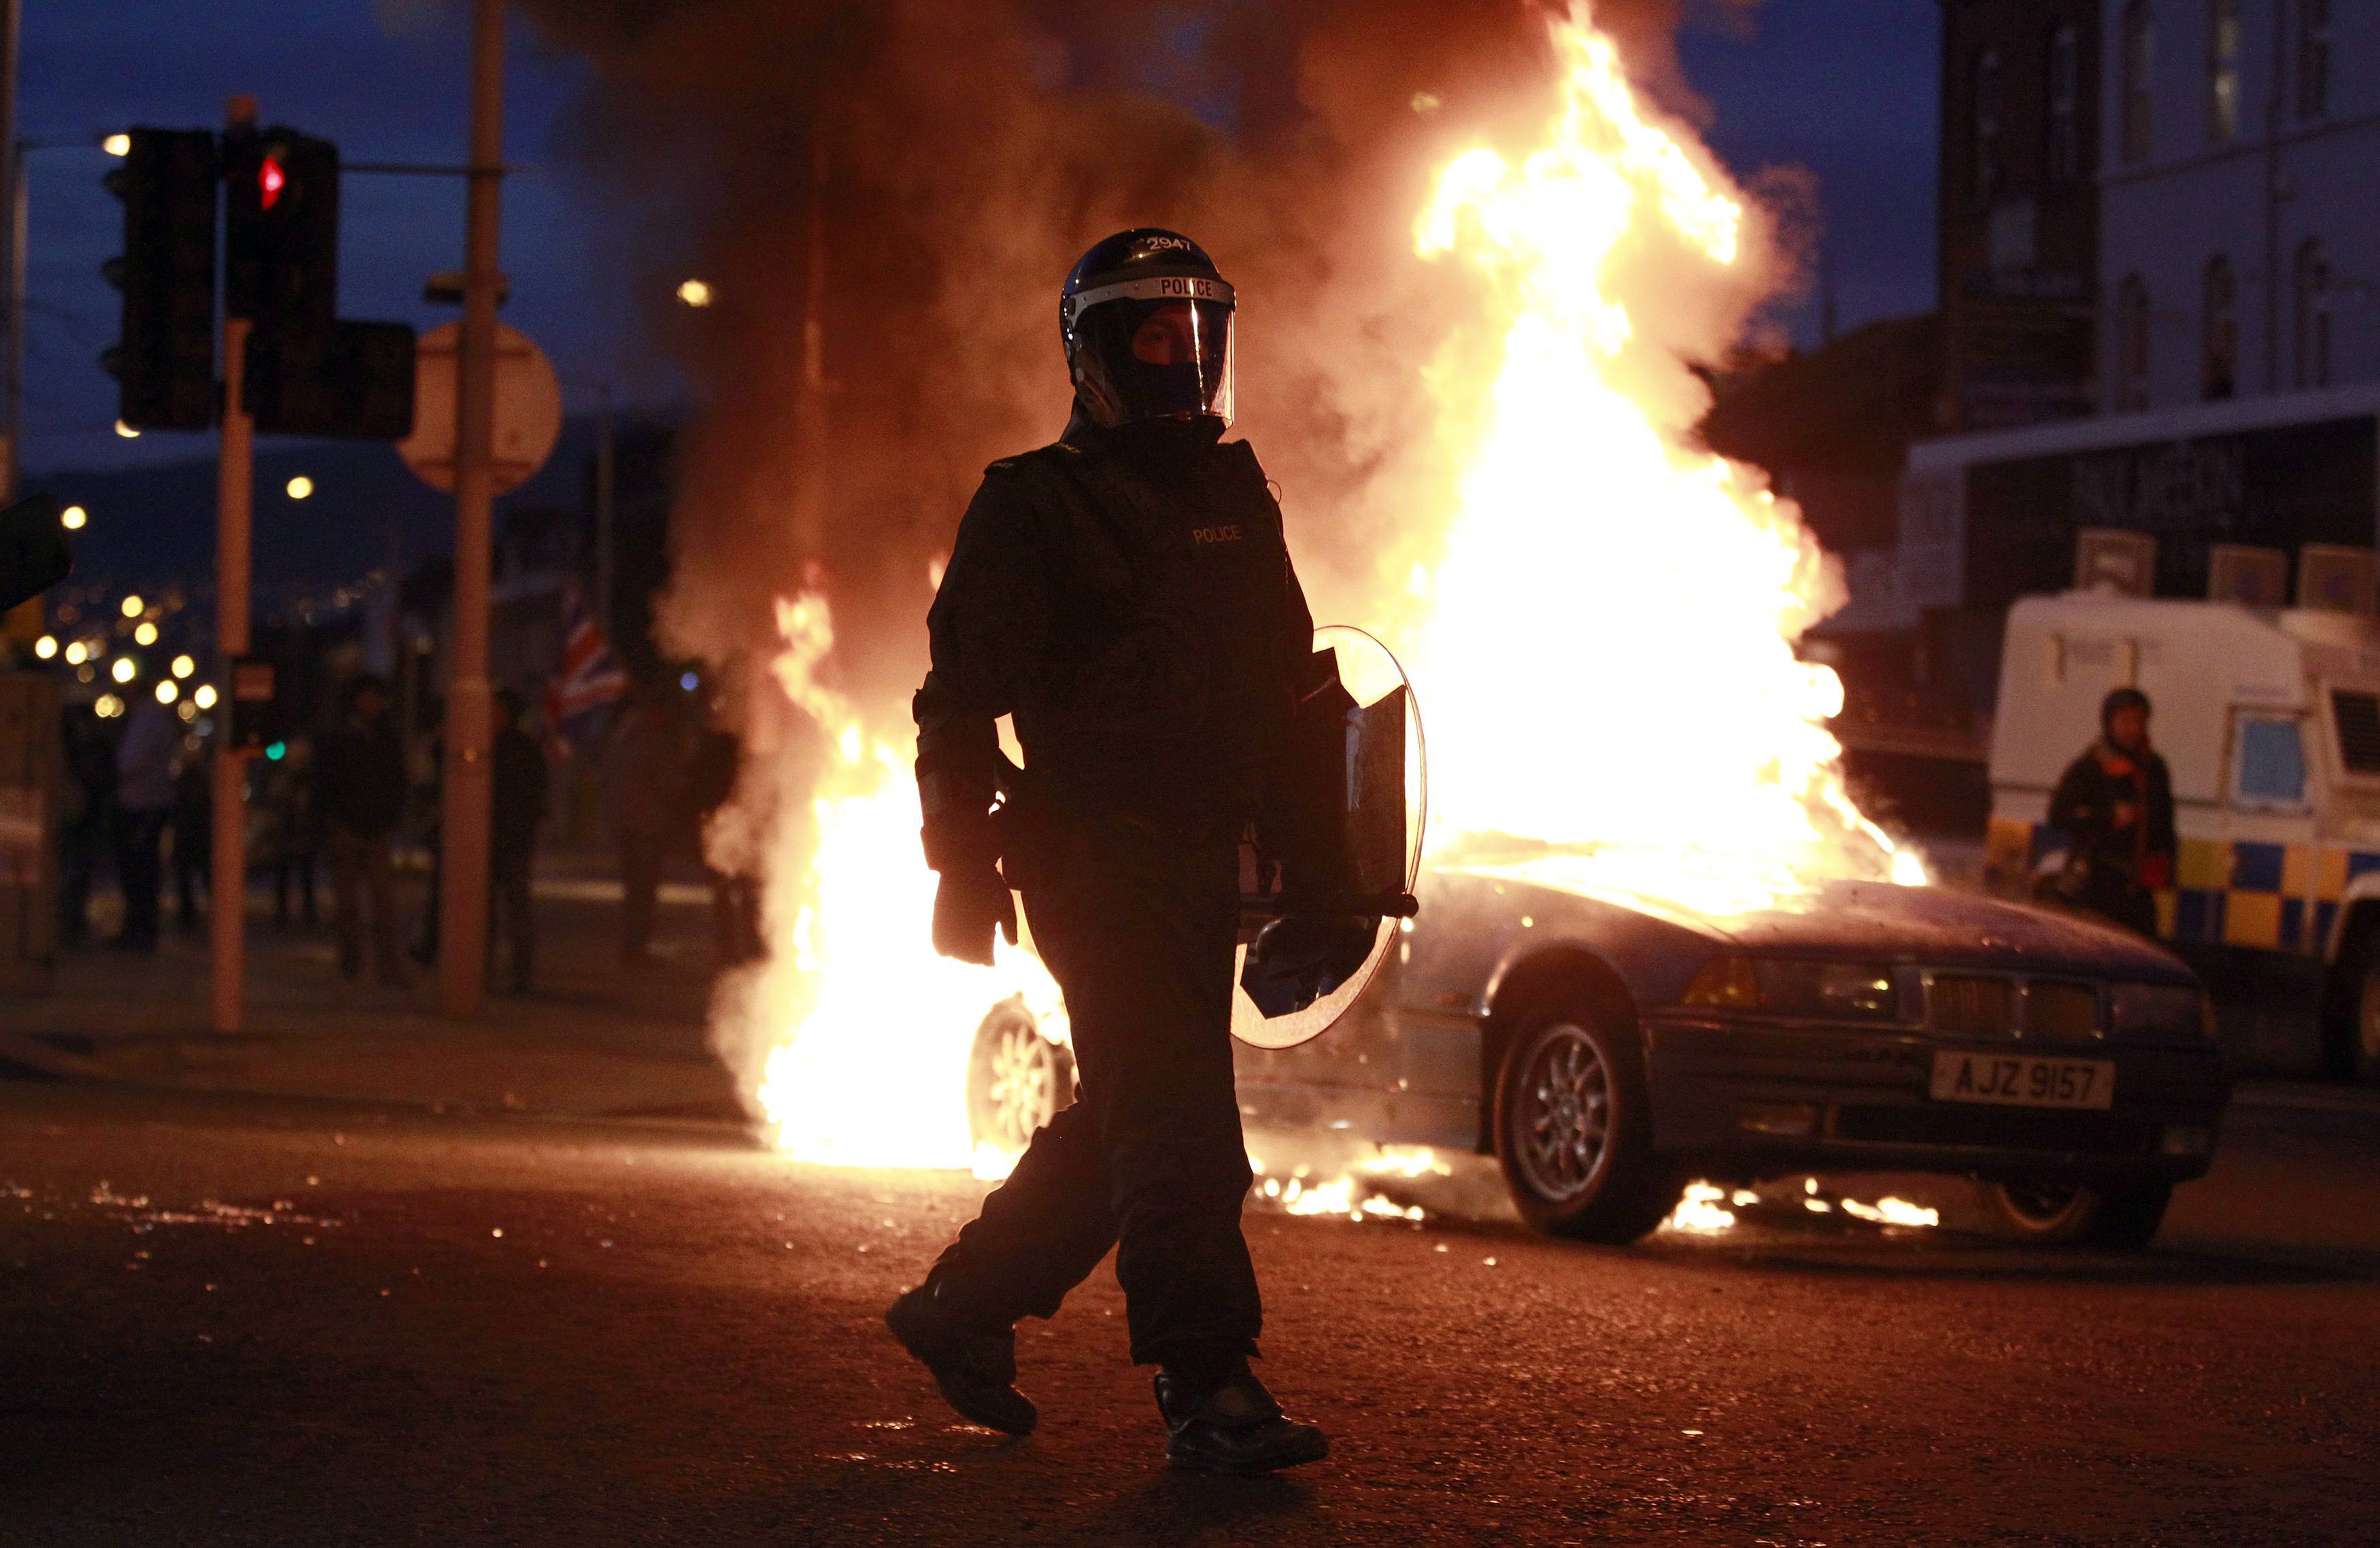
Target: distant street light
x=76 y=653
x=125 y=670
x=168 y=690
x=117 y=145
x=73 y=519
x=146 y=634
x=127 y=431
x=183 y=666
x=203 y=695
x=695 y=293
x=133 y=606
x=107 y=707
x=46 y=647
x=300 y=487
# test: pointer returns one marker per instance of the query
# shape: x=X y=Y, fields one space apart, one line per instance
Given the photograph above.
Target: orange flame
x=1608 y=658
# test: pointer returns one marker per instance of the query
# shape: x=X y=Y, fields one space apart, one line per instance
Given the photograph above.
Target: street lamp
x=183 y=666
x=168 y=690
x=125 y=670
x=46 y=647
x=203 y=695
x=133 y=606
x=695 y=293
x=300 y=487
x=118 y=144
x=146 y=634
x=74 y=518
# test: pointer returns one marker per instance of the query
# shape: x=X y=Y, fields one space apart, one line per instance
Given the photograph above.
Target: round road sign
x=529 y=409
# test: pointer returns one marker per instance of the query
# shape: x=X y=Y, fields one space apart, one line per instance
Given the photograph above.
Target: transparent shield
x=1386 y=809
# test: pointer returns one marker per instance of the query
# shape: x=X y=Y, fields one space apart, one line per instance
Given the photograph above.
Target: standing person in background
x=644 y=790
x=194 y=827
x=144 y=797
x=519 y=767
x=359 y=790
x=85 y=819
x=2115 y=803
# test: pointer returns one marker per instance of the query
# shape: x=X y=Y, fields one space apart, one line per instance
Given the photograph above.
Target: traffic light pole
x=227 y=904
x=468 y=782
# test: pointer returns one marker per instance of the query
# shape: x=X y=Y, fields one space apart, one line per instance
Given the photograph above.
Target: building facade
x=2018 y=210
x=2238 y=241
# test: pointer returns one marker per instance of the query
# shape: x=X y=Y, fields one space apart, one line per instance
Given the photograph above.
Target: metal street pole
x=468 y=780
x=227 y=889
x=235 y=485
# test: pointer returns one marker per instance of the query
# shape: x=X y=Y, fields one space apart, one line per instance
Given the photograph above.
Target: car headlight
x=2176 y=1012
x=1859 y=991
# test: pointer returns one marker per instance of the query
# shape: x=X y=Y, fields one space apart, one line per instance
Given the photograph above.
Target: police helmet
x=1146 y=324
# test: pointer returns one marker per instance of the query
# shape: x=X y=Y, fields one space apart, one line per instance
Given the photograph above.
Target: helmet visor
x=1154 y=358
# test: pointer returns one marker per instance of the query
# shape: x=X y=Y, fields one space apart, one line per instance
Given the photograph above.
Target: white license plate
x=2016 y=1080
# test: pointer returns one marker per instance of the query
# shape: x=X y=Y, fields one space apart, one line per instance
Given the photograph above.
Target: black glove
x=970 y=903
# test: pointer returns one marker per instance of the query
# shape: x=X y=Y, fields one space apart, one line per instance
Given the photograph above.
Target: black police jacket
x=1126 y=595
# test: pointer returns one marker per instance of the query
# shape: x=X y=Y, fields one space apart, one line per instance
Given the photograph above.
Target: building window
x=2139 y=55
x=2312 y=315
x=2219 y=370
x=2132 y=343
x=2222 y=70
x=2313 y=58
x=2062 y=145
x=1985 y=175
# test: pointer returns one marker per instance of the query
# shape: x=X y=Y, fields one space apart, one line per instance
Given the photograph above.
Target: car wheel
x=1574 y=1130
x=1017 y=1080
x=2055 y=1213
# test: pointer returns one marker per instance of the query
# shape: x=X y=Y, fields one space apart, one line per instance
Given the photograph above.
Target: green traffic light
x=275 y=751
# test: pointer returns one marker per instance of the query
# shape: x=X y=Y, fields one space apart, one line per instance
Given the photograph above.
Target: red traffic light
x=270 y=180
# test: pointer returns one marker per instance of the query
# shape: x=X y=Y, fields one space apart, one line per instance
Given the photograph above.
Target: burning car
x=1605 y=1040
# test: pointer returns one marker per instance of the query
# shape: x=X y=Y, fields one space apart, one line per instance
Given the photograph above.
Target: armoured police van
x=2269 y=718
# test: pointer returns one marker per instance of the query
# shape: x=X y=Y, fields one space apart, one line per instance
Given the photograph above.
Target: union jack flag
x=586 y=682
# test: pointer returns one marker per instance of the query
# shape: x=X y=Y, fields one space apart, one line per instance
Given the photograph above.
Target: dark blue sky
x=1846 y=88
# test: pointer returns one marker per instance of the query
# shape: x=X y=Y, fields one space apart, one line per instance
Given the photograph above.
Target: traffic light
x=281 y=231
x=306 y=372
x=165 y=359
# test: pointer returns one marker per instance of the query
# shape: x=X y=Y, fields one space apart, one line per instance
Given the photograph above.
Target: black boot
x=1233 y=1428
x=976 y=1370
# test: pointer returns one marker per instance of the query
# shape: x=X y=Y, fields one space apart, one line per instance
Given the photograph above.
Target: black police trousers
x=1136 y=921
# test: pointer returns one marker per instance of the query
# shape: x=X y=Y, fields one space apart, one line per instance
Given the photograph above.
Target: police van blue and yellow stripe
x=2225 y=892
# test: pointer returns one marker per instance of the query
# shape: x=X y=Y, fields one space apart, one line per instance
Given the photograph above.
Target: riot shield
x=1306 y=956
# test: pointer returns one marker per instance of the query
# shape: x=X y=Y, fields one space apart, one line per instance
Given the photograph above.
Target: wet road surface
x=232 y=1320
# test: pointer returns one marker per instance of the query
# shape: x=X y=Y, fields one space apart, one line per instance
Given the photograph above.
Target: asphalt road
x=230 y=1320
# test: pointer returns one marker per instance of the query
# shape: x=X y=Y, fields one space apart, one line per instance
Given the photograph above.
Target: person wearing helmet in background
x=2115 y=803
x=1124 y=594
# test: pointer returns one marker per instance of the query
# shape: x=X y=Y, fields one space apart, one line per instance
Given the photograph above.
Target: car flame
x=1608 y=658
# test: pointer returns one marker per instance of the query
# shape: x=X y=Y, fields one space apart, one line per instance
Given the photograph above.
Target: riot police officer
x=1125 y=595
